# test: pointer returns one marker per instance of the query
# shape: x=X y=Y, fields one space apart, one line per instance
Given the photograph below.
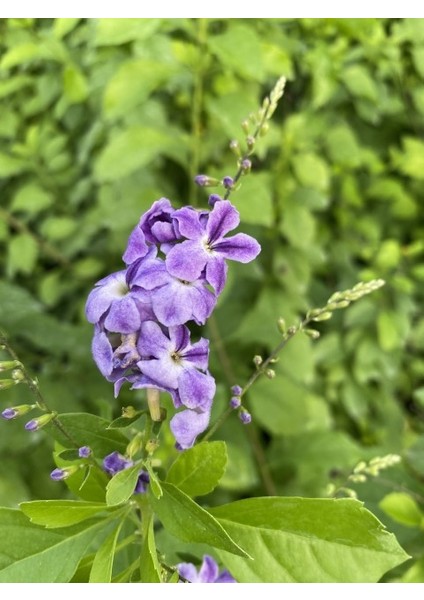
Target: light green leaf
x=14 y=84
x=75 y=85
x=9 y=165
x=62 y=27
x=120 y=31
x=31 y=198
x=130 y=150
x=154 y=482
x=197 y=471
x=311 y=171
x=58 y=228
x=239 y=49
x=306 y=540
x=185 y=519
x=101 y=571
x=343 y=147
x=298 y=225
x=60 y=513
x=389 y=329
x=149 y=564
x=122 y=485
x=21 y=53
x=402 y=508
x=32 y=554
x=256 y=207
x=411 y=161
x=132 y=84
x=359 y=82
x=23 y=254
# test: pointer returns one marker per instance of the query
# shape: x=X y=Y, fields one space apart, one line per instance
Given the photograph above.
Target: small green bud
x=8 y=365
x=257 y=360
x=281 y=325
x=128 y=412
x=270 y=373
x=152 y=446
x=359 y=478
x=312 y=333
x=324 y=316
x=18 y=375
x=39 y=422
x=291 y=330
x=337 y=305
x=264 y=129
x=5 y=384
x=245 y=126
x=235 y=148
x=135 y=445
x=250 y=141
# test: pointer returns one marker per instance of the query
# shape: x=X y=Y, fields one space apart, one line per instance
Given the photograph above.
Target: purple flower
x=120 y=305
x=142 y=483
x=175 y=364
x=114 y=463
x=187 y=425
x=236 y=390
x=155 y=227
x=84 y=452
x=174 y=301
x=114 y=353
x=235 y=402
x=208 y=573
x=206 y=246
x=245 y=417
x=10 y=413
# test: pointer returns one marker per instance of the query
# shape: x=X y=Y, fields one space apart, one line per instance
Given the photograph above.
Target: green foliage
x=100 y=117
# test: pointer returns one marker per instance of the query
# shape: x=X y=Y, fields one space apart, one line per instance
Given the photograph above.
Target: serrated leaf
x=60 y=513
x=197 y=471
x=189 y=522
x=101 y=571
x=338 y=541
x=128 y=151
x=32 y=554
x=121 y=487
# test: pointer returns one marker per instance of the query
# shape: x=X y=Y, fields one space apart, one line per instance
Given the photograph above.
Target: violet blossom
x=208 y=572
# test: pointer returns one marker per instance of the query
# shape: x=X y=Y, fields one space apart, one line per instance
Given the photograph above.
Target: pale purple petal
x=202 y=302
x=152 y=340
x=150 y=274
x=225 y=577
x=180 y=337
x=223 y=218
x=196 y=389
x=164 y=232
x=172 y=304
x=114 y=463
x=198 y=354
x=186 y=260
x=216 y=273
x=107 y=290
x=240 y=247
x=188 y=223
x=187 y=425
x=123 y=316
x=136 y=248
x=208 y=571
x=163 y=371
x=188 y=572
x=160 y=212
x=102 y=352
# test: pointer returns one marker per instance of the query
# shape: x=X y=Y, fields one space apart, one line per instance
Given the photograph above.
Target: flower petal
x=172 y=303
x=209 y=570
x=123 y=316
x=186 y=260
x=152 y=340
x=216 y=273
x=186 y=426
x=102 y=352
x=223 y=218
x=202 y=302
x=240 y=247
x=106 y=291
x=188 y=223
x=198 y=354
x=196 y=389
x=188 y=572
x=136 y=247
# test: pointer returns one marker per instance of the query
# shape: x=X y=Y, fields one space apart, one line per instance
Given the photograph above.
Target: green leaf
x=75 y=85
x=60 y=513
x=239 y=49
x=62 y=27
x=23 y=254
x=256 y=207
x=311 y=171
x=31 y=198
x=101 y=571
x=119 y=31
x=411 y=161
x=342 y=146
x=389 y=329
x=132 y=84
x=88 y=430
x=307 y=540
x=58 y=228
x=9 y=165
x=149 y=564
x=32 y=554
x=402 y=508
x=155 y=485
x=185 y=519
x=129 y=151
x=197 y=471
x=122 y=485
x=359 y=82
x=22 y=53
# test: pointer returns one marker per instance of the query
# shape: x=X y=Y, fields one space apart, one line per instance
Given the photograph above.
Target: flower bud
x=235 y=402
x=245 y=126
x=324 y=316
x=39 y=422
x=18 y=375
x=281 y=325
x=312 y=333
x=152 y=445
x=17 y=411
x=245 y=416
x=5 y=384
x=84 y=452
x=135 y=445
x=213 y=199
x=61 y=474
x=264 y=129
x=257 y=360
x=129 y=412
x=228 y=182
x=250 y=141
x=235 y=148
x=205 y=181
x=246 y=165
x=270 y=373
x=8 y=365
x=236 y=390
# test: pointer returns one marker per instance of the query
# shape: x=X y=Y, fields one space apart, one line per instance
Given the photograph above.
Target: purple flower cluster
x=208 y=572
x=114 y=463
x=175 y=269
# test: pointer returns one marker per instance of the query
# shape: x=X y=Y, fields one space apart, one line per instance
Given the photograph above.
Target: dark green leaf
x=185 y=519
x=122 y=485
x=101 y=571
x=197 y=471
x=60 y=513
x=149 y=564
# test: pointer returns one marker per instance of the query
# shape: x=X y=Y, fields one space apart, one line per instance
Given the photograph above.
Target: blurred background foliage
x=99 y=118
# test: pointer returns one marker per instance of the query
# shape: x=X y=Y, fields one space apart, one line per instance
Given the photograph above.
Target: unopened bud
x=312 y=333
x=129 y=412
x=228 y=182
x=8 y=365
x=245 y=416
x=61 y=474
x=84 y=452
x=235 y=402
x=246 y=165
x=324 y=316
x=206 y=181
x=152 y=445
x=18 y=375
x=257 y=360
x=281 y=324
x=5 y=384
x=39 y=422
x=17 y=411
x=250 y=141
x=270 y=373
x=213 y=199
x=235 y=148
x=245 y=126
x=337 y=305
x=236 y=390
x=134 y=445
x=264 y=129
